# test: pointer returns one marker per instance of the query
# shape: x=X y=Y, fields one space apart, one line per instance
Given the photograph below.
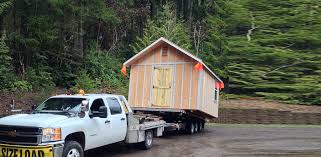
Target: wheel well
x=78 y=137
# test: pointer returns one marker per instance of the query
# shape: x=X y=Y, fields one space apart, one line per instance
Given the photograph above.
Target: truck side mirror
x=102 y=112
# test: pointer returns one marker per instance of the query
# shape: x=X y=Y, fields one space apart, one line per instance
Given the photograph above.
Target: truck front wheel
x=73 y=149
x=148 y=143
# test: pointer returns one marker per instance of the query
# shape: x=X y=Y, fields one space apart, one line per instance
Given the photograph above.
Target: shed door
x=162 y=86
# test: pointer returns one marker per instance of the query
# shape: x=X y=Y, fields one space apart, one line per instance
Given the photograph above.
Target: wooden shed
x=164 y=76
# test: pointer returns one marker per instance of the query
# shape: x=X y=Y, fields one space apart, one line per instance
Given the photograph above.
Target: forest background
x=260 y=48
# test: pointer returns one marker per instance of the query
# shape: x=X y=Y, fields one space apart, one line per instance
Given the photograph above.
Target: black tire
x=190 y=128
x=196 y=127
x=148 y=142
x=200 y=127
x=73 y=147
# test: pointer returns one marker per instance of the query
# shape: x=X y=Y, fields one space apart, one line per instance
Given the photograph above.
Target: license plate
x=25 y=151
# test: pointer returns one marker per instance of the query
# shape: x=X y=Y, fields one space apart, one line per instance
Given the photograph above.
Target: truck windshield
x=60 y=104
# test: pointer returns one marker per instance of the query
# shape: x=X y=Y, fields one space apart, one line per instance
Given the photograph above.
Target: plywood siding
x=139 y=90
x=178 y=90
x=157 y=55
x=207 y=102
x=132 y=85
x=149 y=58
x=186 y=85
x=172 y=54
x=147 y=89
x=194 y=88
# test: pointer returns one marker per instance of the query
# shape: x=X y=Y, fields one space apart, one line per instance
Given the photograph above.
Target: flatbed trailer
x=177 y=120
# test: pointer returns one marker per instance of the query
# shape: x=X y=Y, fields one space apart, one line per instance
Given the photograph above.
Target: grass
x=233 y=96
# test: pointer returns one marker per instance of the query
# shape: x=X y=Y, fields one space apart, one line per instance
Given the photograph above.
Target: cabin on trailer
x=165 y=77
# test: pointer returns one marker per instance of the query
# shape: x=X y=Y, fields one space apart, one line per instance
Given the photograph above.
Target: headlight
x=51 y=134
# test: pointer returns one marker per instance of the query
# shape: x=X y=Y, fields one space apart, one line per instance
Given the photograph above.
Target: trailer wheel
x=73 y=149
x=190 y=128
x=196 y=127
x=148 y=142
x=200 y=127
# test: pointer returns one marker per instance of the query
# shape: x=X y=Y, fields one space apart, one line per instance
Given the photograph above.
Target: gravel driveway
x=228 y=140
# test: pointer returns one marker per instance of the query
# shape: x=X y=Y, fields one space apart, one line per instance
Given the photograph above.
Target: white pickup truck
x=67 y=125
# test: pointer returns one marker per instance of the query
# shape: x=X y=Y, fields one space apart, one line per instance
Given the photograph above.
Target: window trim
x=215 y=94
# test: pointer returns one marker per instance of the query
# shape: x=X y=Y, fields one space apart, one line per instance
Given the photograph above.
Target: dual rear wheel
x=194 y=127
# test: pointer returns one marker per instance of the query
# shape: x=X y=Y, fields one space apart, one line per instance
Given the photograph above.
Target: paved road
x=228 y=140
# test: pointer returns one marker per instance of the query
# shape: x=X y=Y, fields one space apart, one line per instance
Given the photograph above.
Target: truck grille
x=20 y=135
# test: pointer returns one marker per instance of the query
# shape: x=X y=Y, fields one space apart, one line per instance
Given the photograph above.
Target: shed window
x=215 y=94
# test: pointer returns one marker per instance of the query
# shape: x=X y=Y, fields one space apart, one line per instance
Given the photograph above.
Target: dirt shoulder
x=257 y=103
x=21 y=100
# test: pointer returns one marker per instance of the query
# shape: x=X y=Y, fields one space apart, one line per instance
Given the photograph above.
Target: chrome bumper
x=57 y=148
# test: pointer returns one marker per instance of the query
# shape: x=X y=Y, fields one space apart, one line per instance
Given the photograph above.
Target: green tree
x=166 y=25
x=4 y=5
x=275 y=49
x=215 y=48
x=104 y=69
x=6 y=71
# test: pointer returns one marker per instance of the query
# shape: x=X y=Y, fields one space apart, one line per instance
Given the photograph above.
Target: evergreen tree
x=166 y=25
x=215 y=47
x=6 y=73
x=260 y=48
x=275 y=49
x=4 y=5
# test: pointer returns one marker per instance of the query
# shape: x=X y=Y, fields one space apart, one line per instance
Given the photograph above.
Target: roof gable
x=160 y=41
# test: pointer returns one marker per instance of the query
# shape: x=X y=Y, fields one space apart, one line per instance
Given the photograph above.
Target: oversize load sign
x=25 y=151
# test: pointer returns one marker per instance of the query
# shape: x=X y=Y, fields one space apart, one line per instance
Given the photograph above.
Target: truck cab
x=65 y=125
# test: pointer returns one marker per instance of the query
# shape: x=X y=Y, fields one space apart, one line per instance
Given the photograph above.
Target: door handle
x=107 y=121
x=122 y=118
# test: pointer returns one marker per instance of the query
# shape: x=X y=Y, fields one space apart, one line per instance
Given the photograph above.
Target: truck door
x=96 y=126
x=118 y=120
